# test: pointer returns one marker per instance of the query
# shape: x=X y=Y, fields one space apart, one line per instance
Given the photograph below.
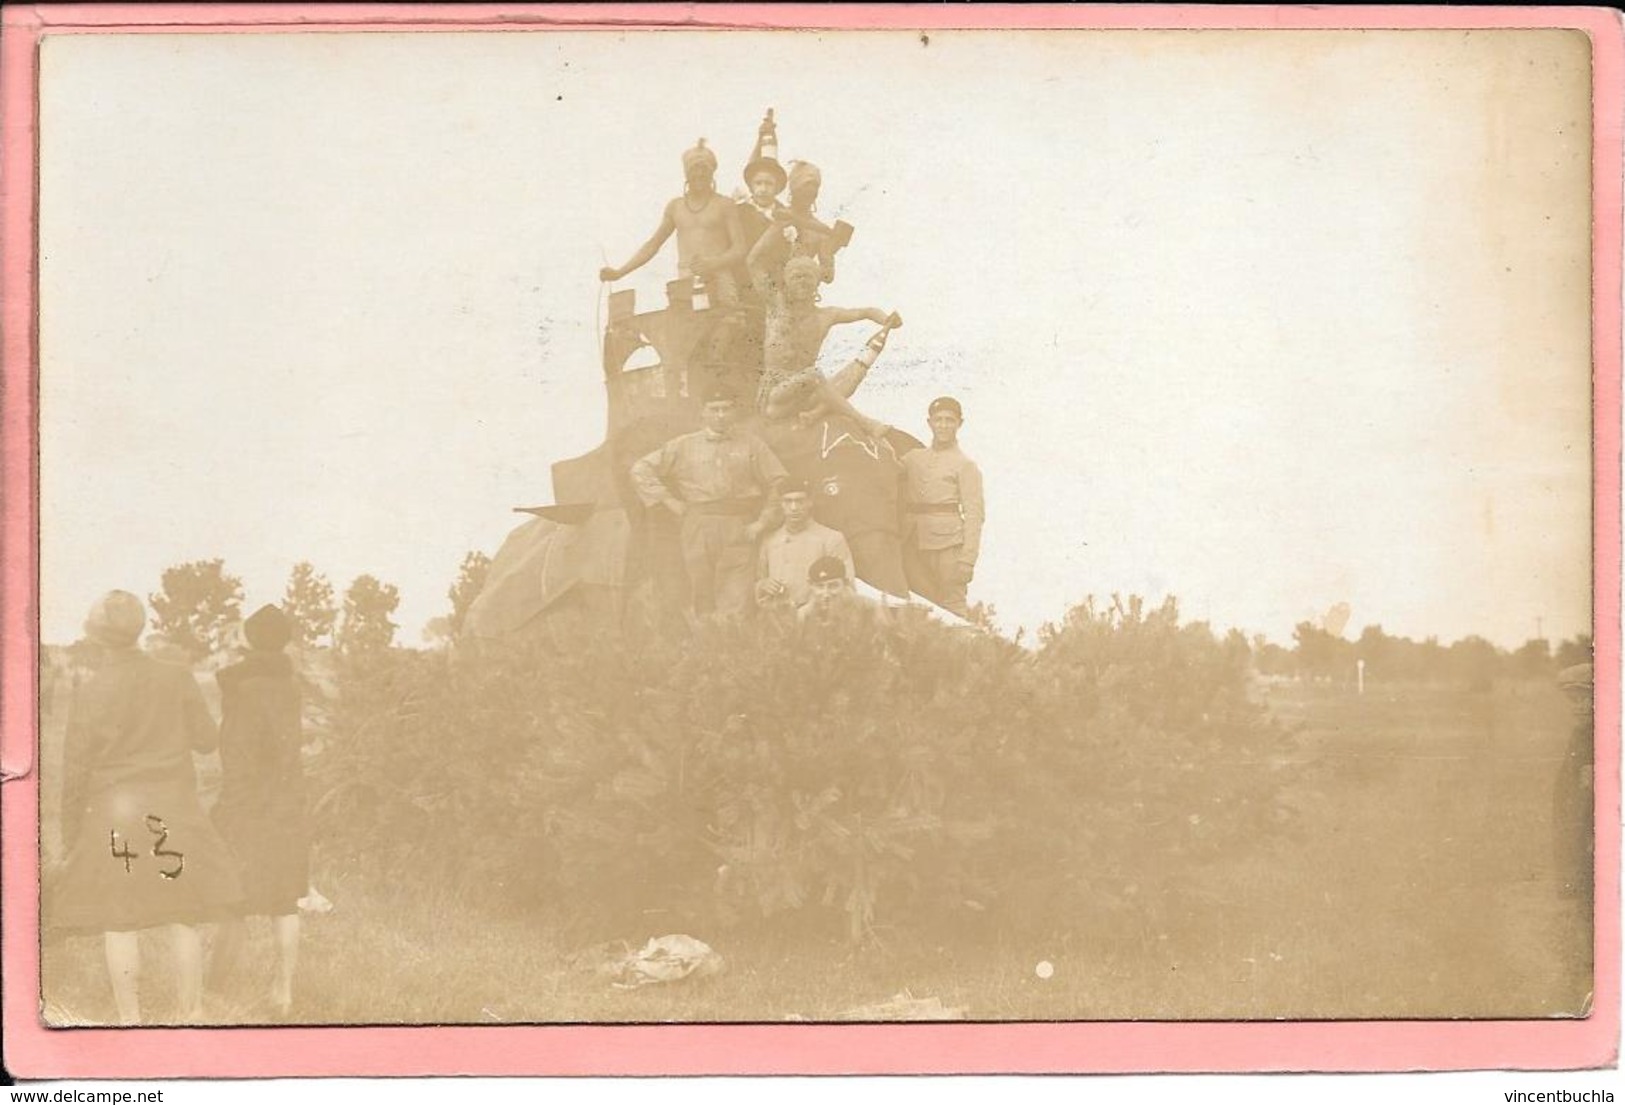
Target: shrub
x=861 y=771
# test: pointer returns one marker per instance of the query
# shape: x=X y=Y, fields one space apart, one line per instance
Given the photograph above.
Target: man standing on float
x=722 y=484
x=943 y=512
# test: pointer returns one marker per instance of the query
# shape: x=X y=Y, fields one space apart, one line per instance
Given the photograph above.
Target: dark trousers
x=930 y=575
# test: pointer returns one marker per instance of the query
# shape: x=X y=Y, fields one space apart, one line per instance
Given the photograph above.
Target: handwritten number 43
x=155 y=826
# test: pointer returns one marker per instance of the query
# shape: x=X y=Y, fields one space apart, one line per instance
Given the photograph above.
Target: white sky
x=1268 y=321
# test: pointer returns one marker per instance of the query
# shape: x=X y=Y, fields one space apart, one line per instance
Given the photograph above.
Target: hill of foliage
x=862 y=774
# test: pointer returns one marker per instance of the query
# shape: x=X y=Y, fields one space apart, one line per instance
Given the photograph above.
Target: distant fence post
x=1359 y=671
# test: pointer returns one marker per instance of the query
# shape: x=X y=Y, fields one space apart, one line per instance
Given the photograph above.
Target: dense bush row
x=859 y=773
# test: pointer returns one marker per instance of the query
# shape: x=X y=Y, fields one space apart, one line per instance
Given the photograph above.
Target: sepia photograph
x=639 y=527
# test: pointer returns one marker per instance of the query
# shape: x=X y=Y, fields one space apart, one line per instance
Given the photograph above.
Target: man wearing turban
x=710 y=243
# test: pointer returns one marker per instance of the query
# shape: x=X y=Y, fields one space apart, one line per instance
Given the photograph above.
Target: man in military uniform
x=720 y=483
x=789 y=551
x=942 y=512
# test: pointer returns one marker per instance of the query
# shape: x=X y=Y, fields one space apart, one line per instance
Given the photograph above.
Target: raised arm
x=645 y=252
x=839 y=315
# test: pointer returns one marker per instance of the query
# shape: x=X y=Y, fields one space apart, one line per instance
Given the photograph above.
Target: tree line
x=1473 y=661
x=198 y=604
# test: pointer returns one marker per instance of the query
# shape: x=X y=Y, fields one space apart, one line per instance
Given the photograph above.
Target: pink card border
x=34 y=1051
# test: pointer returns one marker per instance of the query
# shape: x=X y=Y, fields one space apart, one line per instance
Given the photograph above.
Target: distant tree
x=1322 y=655
x=1237 y=650
x=309 y=604
x=1474 y=662
x=1432 y=660
x=1575 y=650
x=1380 y=653
x=471 y=578
x=196 y=605
x=1270 y=658
x=366 y=629
x=1533 y=660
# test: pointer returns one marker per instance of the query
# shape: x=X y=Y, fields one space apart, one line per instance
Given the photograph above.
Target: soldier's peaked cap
x=945 y=403
x=717 y=394
x=826 y=568
x=794 y=486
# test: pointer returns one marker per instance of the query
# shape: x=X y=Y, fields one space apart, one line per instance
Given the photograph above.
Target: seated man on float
x=709 y=242
x=796 y=327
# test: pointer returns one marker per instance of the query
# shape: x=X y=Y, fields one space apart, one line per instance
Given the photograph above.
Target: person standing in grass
x=142 y=853
x=261 y=812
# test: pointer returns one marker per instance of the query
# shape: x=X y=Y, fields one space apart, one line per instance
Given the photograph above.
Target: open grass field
x=1423 y=882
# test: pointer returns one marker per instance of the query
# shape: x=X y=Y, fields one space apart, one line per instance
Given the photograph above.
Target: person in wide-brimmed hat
x=141 y=851
x=710 y=244
x=765 y=178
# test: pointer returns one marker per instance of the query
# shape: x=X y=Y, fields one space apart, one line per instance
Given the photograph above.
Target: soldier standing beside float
x=942 y=512
x=721 y=483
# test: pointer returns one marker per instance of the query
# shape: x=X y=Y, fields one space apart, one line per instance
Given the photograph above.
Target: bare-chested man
x=709 y=241
x=796 y=328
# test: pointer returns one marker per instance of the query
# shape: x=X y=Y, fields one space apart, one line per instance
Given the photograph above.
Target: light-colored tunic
x=942 y=477
x=786 y=557
x=699 y=468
